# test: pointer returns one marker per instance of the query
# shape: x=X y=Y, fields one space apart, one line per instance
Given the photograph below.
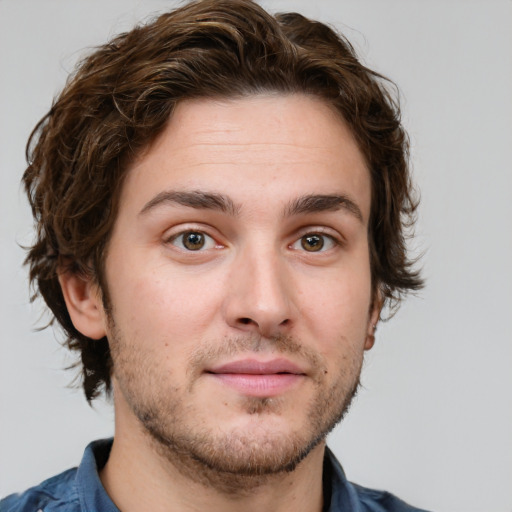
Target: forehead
x=266 y=146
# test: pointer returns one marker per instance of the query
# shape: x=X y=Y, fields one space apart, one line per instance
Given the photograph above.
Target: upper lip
x=255 y=367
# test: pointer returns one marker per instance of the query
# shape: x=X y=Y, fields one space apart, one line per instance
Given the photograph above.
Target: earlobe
x=85 y=307
x=372 y=322
x=370 y=336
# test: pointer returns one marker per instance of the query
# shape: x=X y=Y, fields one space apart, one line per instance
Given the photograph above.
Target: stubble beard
x=234 y=462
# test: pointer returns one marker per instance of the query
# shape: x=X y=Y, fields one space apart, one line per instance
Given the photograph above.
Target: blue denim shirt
x=80 y=490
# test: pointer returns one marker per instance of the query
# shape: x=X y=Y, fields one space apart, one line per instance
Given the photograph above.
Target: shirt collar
x=339 y=494
x=336 y=486
x=91 y=492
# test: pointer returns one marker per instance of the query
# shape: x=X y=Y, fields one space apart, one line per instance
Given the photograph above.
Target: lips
x=258 y=378
x=254 y=367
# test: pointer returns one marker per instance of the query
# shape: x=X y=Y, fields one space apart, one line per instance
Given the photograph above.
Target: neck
x=142 y=474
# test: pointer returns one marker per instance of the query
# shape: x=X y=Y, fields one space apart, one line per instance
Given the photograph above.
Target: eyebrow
x=314 y=203
x=311 y=203
x=193 y=199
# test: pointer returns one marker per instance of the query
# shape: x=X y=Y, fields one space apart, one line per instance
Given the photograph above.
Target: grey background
x=434 y=420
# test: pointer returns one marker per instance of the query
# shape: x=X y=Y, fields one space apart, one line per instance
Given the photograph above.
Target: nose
x=259 y=294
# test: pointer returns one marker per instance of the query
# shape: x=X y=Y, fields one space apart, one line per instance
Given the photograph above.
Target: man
x=220 y=199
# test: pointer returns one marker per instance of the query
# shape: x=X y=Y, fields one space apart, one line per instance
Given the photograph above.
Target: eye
x=315 y=242
x=193 y=241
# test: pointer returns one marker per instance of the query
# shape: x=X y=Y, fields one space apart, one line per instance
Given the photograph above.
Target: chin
x=257 y=450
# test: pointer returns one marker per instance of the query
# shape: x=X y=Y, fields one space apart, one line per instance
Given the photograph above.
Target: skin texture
x=271 y=277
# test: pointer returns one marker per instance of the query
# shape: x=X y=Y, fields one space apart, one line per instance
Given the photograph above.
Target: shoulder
x=76 y=490
x=57 y=494
x=372 y=500
x=346 y=495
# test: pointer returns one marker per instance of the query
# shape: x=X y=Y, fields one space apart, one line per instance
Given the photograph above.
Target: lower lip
x=259 y=385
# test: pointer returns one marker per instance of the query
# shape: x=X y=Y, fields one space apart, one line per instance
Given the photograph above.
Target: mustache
x=279 y=345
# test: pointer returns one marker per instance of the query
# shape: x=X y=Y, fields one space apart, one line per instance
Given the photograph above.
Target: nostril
x=245 y=321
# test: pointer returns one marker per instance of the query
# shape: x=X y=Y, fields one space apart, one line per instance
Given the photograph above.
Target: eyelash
x=208 y=240
x=332 y=241
x=211 y=243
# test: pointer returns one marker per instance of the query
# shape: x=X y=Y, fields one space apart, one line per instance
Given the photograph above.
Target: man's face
x=239 y=278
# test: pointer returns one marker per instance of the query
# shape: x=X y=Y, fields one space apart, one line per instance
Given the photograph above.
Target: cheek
x=162 y=302
x=336 y=309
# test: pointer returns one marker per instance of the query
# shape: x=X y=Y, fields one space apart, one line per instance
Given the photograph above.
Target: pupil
x=312 y=242
x=193 y=241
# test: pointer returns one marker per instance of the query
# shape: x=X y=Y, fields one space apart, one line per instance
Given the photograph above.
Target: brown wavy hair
x=120 y=98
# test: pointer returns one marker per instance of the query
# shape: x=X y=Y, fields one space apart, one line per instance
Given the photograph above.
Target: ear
x=85 y=307
x=373 y=319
